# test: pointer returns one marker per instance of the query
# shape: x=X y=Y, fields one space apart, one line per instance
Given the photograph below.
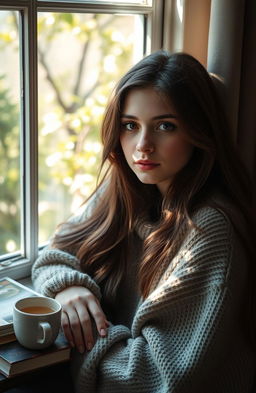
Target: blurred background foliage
x=80 y=58
x=9 y=174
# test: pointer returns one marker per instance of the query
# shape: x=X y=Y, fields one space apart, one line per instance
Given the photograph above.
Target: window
x=10 y=175
x=100 y=47
x=61 y=61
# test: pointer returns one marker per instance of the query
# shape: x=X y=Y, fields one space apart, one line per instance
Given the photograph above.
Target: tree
x=78 y=86
x=9 y=176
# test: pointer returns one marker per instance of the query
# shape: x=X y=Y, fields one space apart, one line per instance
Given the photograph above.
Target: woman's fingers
x=79 y=308
x=73 y=329
x=86 y=326
x=98 y=316
x=66 y=328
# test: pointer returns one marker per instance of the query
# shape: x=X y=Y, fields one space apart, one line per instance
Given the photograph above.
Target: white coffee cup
x=36 y=321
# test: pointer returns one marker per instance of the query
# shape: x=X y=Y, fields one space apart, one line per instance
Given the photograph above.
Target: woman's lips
x=146 y=165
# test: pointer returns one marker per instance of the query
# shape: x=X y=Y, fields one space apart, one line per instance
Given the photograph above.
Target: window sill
x=27 y=282
x=17 y=269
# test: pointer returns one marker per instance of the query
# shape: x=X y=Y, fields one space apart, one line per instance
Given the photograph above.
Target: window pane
x=141 y=2
x=81 y=56
x=138 y=2
x=9 y=134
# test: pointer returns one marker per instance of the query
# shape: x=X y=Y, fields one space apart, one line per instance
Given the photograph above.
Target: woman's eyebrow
x=164 y=116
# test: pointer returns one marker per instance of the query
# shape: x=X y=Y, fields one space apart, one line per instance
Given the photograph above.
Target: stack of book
x=14 y=358
x=6 y=332
x=10 y=292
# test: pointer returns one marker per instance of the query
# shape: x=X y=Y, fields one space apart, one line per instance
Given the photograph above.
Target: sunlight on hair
x=167 y=214
x=216 y=77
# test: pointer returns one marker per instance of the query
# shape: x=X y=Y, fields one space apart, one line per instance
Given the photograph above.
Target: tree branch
x=76 y=90
x=82 y=61
x=105 y=24
x=80 y=68
x=51 y=80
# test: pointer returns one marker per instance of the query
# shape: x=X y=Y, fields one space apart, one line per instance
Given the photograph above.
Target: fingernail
x=81 y=349
x=89 y=346
x=103 y=332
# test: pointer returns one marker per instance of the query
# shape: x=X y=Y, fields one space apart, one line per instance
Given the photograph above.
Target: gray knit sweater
x=187 y=336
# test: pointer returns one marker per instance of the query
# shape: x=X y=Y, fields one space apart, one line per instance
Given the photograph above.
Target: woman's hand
x=79 y=305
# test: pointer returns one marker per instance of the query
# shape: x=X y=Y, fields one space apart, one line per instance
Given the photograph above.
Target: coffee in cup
x=36 y=321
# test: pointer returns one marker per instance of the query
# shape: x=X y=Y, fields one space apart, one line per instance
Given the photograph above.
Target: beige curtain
x=222 y=35
x=232 y=54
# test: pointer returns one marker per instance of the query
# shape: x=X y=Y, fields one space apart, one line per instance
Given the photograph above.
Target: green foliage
x=9 y=175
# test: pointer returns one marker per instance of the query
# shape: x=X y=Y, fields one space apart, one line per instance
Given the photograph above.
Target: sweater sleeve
x=55 y=270
x=187 y=322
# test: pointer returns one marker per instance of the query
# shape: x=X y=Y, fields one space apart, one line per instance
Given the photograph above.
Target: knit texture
x=186 y=336
x=56 y=270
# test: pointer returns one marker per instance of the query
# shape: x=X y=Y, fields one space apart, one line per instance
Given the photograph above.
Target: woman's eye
x=167 y=126
x=129 y=126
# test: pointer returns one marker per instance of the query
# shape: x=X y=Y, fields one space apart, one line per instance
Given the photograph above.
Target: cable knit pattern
x=186 y=336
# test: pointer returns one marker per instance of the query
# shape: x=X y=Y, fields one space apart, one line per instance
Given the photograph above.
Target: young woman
x=155 y=275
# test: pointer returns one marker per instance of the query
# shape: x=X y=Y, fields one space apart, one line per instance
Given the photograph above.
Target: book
x=10 y=292
x=7 y=338
x=16 y=360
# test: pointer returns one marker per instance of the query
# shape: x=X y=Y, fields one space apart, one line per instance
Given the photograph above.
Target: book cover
x=10 y=292
x=15 y=359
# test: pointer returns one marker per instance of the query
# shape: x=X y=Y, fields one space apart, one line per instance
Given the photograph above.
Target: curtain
x=232 y=55
x=246 y=136
x=221 y=34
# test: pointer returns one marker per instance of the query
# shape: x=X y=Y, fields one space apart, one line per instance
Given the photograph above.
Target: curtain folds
x=225 y=44
x=222 y=35
x=246 y=134
x=232 y=55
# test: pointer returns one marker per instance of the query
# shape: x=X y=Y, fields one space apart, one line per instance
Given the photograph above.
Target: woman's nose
x=145 y=143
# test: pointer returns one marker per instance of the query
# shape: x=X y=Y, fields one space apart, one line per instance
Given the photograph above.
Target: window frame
x=16 y=265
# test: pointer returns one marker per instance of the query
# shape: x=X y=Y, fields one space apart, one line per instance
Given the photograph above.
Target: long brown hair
x=101 y=242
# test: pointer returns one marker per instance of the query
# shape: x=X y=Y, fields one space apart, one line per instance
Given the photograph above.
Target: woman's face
x=153 y=138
